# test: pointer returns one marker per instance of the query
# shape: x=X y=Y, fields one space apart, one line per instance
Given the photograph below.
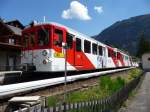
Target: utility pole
x=65 y=75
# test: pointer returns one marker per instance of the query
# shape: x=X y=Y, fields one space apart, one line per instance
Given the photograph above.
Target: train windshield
x=59 y=40
x=43 y=37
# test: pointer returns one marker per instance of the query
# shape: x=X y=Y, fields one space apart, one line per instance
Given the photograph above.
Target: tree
x=143 y=45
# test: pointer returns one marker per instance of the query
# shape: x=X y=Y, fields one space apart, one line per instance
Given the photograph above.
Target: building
x=10 y=44
x=146 y=61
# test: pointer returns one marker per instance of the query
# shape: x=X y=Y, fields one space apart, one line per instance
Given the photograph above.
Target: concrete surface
x=141 y=101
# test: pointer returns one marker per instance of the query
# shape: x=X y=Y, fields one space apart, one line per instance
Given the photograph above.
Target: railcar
x=43 y=50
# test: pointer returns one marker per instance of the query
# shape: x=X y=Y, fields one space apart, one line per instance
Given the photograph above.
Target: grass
x=111 y=85
x=52 y=100
x=106 y=87
x=133 y=74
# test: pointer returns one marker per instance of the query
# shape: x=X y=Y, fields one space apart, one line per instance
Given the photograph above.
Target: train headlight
x=44 y=52
x=45 y=61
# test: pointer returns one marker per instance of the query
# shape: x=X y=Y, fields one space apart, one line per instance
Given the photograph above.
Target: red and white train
x=44 y=52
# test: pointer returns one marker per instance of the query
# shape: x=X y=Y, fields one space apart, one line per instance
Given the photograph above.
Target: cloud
x=77 y=11
x=98 y=9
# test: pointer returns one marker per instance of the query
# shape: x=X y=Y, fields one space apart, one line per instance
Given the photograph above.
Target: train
x=47 y=46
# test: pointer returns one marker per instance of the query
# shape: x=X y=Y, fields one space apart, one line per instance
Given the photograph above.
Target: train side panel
x=43 y=48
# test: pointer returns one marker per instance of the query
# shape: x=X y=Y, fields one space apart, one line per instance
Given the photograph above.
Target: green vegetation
x=143 y=46
x=133 y=74
x=52 y=100
x=107 y=86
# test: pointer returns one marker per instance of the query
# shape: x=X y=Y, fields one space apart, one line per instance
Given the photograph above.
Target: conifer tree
x=143 y=45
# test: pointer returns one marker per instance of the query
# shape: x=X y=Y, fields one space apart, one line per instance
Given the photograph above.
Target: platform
x=141 y=101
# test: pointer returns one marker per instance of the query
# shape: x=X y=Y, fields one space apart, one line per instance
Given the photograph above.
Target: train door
x=104 y=57
x=78 y=52
x=101 y=57
x=115 y=57
x=58 y=38
x=111 y=61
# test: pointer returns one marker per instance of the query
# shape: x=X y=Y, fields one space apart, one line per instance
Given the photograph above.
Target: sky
x=86 y=16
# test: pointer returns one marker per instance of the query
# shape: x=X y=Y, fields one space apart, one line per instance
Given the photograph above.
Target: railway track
x=13 y=77
x=13 y=89
x=56 y=88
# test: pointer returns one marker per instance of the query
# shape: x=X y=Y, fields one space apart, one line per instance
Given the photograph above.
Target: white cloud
x=99 y=9
x=77 y=11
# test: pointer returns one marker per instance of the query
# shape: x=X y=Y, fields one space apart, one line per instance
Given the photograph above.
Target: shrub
x=105 y=82
x=134 y=73
x=118 y=83
x=52 y=101
x=109 y=85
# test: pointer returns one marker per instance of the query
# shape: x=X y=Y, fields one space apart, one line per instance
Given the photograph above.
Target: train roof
x=70 y=30
x=74 y=32
x=78 y=34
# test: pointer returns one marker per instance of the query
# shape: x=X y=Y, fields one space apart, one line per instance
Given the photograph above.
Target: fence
x=110 y=104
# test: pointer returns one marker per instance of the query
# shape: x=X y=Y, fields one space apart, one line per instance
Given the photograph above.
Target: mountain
x=125 y=34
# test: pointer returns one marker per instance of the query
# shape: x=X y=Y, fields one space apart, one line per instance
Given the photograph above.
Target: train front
x=37 y=48
x=36 y=52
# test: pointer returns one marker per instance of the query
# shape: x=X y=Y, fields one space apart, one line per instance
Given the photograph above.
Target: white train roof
x=72 y=31
x=77 y=34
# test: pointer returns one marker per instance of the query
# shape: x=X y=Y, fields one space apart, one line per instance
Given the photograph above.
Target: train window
x=115 y=54
x=100 y=50
x=60 y=37
x=94 y=48
x=87 y=46
x=78 y=44
x=25 y=41
x=32 y=39
x=43 y=37
x=118 y=55
x=69 y=40
x=109 y=53
x=126 y=57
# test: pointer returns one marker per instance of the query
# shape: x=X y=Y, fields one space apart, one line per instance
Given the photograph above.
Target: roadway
x=141 y=101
